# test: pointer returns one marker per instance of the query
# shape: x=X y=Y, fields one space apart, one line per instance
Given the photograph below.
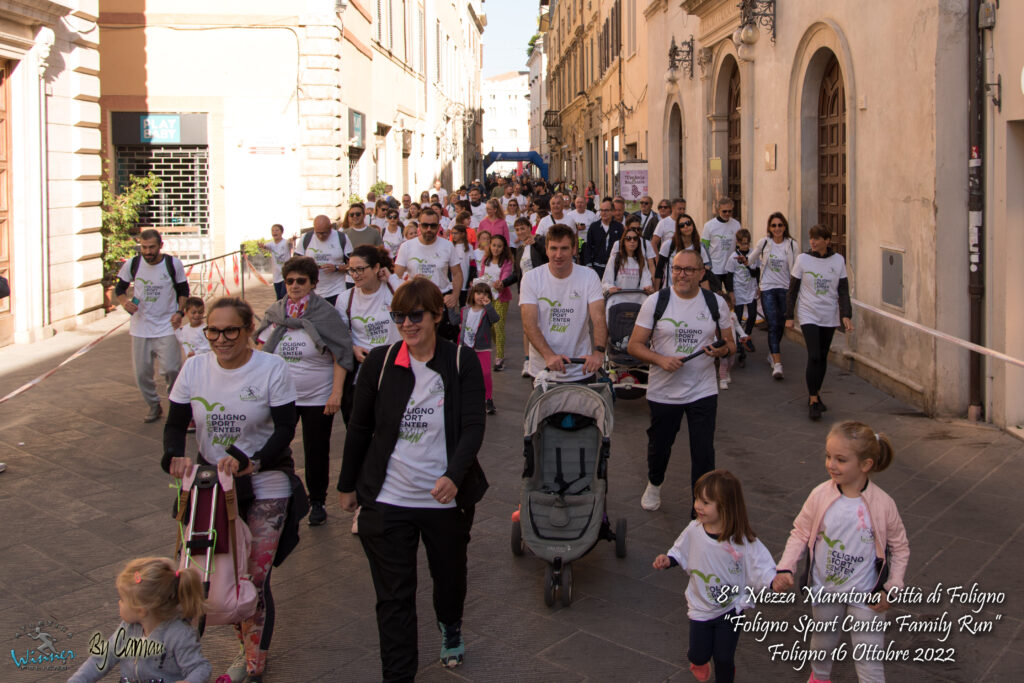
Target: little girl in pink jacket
x=857 y=544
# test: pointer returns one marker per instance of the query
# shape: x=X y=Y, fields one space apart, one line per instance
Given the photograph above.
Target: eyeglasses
x=688 y=270
x=358 y=270
x=355 y=214
x=663 y=206
x=230 y=333
x=296 y=280
x=392 y=216
x=646 y=202
x=415 y=317
x=776 y=225
x=686 y=224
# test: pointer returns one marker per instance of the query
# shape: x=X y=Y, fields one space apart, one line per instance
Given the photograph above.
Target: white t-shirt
x=232 y=407
x=776 y=261
x=492 y=274
x=574 y=218
x=744 y=286
x=470 y=324
x=279 y=253
x=818 y=303
x=393 y=240
x=526 y=263
x=720 y=572
x=371 y=324
x=844 y=552
x=379 y=223
x=330 y=283
x=192 y=340
x=420 y=457
x=632 y=275
x=466 y=257
x=157 y=299
x=434 y=261
x=648 y=248
x=666 y=228
x=549 y=220
x=312 y=372
x=562 y=315
x=685 y=327
x=513 y=239
x=720 y=239
x=520 y=201
x=479 y=213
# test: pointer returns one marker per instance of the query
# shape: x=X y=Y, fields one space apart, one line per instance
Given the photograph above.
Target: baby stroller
x=628 y=375
x=562 y=504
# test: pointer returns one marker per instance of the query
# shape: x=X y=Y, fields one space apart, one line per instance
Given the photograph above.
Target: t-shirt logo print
x=821 y=283
x=717 y=592
x=210 y=407
x=249 y=394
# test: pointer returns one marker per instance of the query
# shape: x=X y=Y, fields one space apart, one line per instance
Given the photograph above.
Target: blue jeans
x=773 y=301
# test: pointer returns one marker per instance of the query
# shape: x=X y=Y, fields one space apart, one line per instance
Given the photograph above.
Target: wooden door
x=733 y=175
x=832 y=155
x=6 y=317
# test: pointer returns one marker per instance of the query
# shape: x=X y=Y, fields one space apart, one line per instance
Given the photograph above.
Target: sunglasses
x=663 y=206
x=230 y=333
x=686 y=224
x=355 y=213
x=414 y=317
x=776 y=225
x=392 y=216
x=632 y=238
x=646 y=202
x=296 y=280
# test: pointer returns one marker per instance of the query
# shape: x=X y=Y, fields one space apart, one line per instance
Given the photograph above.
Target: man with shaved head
x=330 y=249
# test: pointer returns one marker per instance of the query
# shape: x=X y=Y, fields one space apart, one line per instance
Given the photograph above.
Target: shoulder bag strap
x=387 y=357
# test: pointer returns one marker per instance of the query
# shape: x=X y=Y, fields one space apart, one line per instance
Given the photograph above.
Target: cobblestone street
x=83 y=493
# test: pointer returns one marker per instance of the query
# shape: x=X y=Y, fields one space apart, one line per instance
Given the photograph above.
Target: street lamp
x=680 y=56
x=754 y=13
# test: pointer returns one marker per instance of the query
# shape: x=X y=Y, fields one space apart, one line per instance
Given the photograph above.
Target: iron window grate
x=182 y=202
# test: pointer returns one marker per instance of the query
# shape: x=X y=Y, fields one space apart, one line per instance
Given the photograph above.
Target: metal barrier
x=222 y=275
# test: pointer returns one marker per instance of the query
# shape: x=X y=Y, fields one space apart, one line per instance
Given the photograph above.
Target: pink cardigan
x=885 y=520
x=498 y=226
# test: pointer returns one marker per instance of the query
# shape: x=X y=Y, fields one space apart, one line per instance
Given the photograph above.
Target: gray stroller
x=565 y=481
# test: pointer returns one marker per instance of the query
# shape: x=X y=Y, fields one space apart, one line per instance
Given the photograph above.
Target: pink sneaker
x=812 y=679
x=702 y=672
x=515 y=515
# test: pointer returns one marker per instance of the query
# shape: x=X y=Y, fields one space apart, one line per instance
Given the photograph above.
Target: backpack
x=308 y=237
x=790 y=242
x=709 y=299
x=168 y=262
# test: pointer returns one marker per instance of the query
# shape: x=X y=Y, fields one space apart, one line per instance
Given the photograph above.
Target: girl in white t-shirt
x=686 y=237
x=483 y=245
x=819 y=295
x=727 y=565
x=280 y=251
x=475 y=327
x=411 y=231
x=190 y=336
x=495 y=269
x=858 y=546
x=511 y=214
x=393 y=235
x=464 y=250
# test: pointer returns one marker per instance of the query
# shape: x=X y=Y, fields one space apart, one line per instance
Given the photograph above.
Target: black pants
x=348 y=392
x=390 y=537
x=818 y=340
x=715 y=639
x=751 y=311
x=665 y=421
x=316 y=444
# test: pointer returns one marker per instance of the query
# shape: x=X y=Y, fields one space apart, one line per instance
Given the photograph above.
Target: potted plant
x=119 y=226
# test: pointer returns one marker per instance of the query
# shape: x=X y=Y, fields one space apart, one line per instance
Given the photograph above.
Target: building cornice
x=31 y=12
x=479 y=20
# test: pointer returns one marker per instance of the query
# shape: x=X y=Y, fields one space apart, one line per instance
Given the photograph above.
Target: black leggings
x=751 y=311
x=818 y=340
x=316 y=444
x=715 y=639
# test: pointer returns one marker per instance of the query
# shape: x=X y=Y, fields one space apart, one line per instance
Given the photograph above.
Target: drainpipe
x=975 y=205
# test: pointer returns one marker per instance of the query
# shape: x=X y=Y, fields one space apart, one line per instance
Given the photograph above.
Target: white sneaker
x=237 y=672
x=771 y=361
x=723 y=384
x=651 y=500
x=526 y=368
x=777 y=370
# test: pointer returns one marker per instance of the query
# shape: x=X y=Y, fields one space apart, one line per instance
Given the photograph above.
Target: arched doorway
x=832 y=154
x=674 y=188
x=734 y=165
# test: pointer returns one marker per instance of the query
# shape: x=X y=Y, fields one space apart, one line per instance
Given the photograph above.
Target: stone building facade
x=50 y=167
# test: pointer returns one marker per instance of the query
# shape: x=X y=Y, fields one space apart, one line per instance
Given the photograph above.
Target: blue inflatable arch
x=532 y=157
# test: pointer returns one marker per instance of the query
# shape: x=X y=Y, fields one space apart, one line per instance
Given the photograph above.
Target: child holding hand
x=857 y=545
x=191 y=337
x=478 y=316
x=724 y=558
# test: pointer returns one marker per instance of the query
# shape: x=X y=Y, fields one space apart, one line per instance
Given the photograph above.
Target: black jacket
x=599 y=244
x=538 y=256
x=377 y=415
x=647 y=226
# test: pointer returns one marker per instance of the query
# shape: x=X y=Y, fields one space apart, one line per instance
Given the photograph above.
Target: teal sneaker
x=453 y=647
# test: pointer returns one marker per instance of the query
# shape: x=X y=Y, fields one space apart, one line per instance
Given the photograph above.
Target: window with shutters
x=421 y=45
x=437 y=52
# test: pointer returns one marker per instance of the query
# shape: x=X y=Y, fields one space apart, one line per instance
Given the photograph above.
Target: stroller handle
x=571 y=361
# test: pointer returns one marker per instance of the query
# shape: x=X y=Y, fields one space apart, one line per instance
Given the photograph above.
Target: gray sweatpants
x=144 y=350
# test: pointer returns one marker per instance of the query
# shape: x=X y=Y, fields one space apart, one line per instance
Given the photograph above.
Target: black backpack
x=709 y=299
x=168 y=262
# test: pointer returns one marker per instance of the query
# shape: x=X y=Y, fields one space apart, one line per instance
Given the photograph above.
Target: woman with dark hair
x=497 y=270
x=365 y=310
x=411 y=464
x=305 y=331
x=626 y=268
x=243 y=402
x=393 y=233
x=686 y=236
x=819 y=294
x=775 y=254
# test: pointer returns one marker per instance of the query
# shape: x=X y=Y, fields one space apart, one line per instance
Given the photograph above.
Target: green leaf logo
x=210 y=407
x=144 y=281
x=417 y=259
x=676 y=323
x=706 y=578
x=832 y=541
x=817 y=275
x=363 y=320
x=554 y=303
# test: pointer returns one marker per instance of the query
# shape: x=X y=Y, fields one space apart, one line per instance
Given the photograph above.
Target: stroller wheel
x=620 y=538
x=565 y=586
x=549 y=586
x=517 y=539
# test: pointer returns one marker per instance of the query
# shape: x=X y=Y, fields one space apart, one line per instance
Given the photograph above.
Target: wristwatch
x=599 y=349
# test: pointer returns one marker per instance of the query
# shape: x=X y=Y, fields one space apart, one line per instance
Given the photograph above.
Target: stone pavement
x=83 y=493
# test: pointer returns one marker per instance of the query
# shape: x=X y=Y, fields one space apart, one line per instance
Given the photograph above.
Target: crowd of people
x=395 y=316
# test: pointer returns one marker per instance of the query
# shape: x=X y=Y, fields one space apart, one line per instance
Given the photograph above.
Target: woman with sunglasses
x=686 y=237
x=511 y=214
x=411 y=464
x=394 y=233
x=306 y=331
x=243 y=402
x=775 y=254
x=627 y=267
